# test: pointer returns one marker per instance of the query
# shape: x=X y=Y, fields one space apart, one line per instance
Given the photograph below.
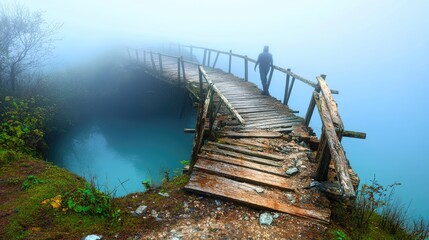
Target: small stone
x=92 y=237
x=266 y=219
x=158 y=219
x=290 y=197
x=140 y=210
x=218 y=202
x=218 y=208
x=164 y=194
x=276 y=215
x=291 y=171
x=259 y=190
x=246 y=218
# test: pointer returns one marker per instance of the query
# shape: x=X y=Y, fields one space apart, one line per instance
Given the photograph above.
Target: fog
x=376 y=53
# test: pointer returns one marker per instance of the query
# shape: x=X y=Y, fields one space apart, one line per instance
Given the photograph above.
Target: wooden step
x=243 y=163
x=248 y=152
x=254 y=134
x=247 y=175
x=247 y=194
x=213 y=149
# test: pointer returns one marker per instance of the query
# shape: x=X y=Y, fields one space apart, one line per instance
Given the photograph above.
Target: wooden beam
x=335 y=148
x=331 y=104
x=249 y=152
x=354 y=134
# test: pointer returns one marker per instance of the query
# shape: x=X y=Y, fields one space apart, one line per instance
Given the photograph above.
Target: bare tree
x=26 y=40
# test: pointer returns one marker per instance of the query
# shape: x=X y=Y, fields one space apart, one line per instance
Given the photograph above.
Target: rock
x=218 y=202
x=291 y=171
x=139 y=211
x=266 y=219
x=290 y=197
x=92 y=237
x=259 y=190
x=276 y=215
x=164 y=194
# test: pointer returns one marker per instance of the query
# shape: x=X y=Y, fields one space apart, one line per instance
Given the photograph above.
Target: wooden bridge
x=251 y=148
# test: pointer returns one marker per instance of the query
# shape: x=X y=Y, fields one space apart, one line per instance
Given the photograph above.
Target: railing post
x=230 y=56
x=137 y=55
x=208 y=59
x=160 y=62
x=204 y=58
x=183 y=69
x=246 y=69
x=190 y=52
x=215 y=61
x=178 y=70
x=286 y=88
x=144 y=57
x=153 y=61
x=311 y=106
x=290 y=90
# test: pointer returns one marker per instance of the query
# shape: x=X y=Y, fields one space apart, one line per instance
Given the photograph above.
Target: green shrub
x=24 y=123
x=30 y=181
x=90 y=200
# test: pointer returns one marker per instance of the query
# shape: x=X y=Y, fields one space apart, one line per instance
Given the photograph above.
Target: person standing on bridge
x=265 y=62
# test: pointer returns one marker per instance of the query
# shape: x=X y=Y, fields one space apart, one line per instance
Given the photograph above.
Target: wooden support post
x=183 y=70
x=335 y=148
x=178 y=71
x=270 y=77
x=286 y=87
x=200 y=77
x=190 y=52
x=160 y=62
x=137 y=55
x=311 y=106
x=204 y=58
x=144 y=57
x=332 y=105
x=219 y=104
x=230 y=58
x=246 y=69
x=153 y=61
x=323 y=158
x=199 y=134
x=208 y=59
x=215 y=61
x=290 y=90
x=354 y=134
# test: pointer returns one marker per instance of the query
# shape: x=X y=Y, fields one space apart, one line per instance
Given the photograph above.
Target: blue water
x=120 y=154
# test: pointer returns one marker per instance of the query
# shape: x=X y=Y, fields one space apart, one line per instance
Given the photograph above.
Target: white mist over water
x=376 y=53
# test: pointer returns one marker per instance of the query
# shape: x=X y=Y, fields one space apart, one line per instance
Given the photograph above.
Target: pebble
x=266 y=219
x=92 y=237
x=139 y=211
x=164 y=194
x=292 y=171
x=218 y=202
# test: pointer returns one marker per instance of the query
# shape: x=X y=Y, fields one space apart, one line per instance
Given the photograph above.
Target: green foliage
x=340 y=235
x=147 y=183
x=30 y=181
x=370 y=198
x=24 y=123
x=92 y=201
x=184 y=162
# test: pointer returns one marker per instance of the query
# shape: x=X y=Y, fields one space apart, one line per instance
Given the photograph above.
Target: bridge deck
x=265 y=163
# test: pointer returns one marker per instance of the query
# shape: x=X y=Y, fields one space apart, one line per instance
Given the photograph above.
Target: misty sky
x=375 y=52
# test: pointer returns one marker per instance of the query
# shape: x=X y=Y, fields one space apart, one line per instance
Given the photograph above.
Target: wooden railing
x=330 y=147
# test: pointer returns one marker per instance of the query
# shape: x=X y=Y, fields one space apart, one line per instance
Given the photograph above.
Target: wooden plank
x=213 y=149
x=246 y=194
x=243 y=142
x=249 y=152
x=255 y=134
x=274 y=125
x=246 y=174
x=256 y=110
x=335 y=148
x=272 y=121
x=331 y=104
x=272 y=117
x=243 y=163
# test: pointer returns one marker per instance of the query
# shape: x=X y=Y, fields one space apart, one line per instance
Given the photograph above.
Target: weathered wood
x=160 y=62
x=249 y=152
x=183 y=69
x=246 y=174
x=354 y=134
x=199 y=136
x=253 y=144
x=243 y=163
x=214 y=149
x=229 y=65
x=215 y=61
x=224 y=99
x=331 y=104
x=255 y=134
x=247 y=194
x=335 y=148
x=246 y=69
x=285 y=98
x=323 y=157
